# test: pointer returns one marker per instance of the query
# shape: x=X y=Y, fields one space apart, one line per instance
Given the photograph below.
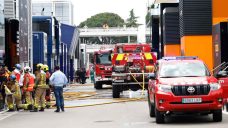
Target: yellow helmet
x=39 y=66
x=45 y=67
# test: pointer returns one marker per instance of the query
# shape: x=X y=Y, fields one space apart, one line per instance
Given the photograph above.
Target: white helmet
x=27 y=69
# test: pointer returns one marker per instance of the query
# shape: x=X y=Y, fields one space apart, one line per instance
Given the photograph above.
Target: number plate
x=191 y=100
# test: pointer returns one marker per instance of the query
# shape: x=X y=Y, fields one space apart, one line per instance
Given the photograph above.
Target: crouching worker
x=13 y=94
x=28 y=84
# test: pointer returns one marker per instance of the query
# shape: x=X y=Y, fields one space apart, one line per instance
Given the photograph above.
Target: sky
x=84 y=9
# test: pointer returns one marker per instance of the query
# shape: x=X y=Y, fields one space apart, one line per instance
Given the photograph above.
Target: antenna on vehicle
x=219 y=66
x=42 y=12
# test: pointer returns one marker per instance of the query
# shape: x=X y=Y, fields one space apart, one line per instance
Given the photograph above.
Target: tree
x=98 y=20
x=132 y=20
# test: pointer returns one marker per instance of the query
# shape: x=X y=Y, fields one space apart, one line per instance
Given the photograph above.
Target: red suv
x=183 y=85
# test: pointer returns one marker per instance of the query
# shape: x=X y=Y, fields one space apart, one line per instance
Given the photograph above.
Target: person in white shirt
x=58 y=79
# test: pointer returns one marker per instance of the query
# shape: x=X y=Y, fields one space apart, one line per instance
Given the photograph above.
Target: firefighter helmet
x=45 y=67
x=39 y=66
x=12 y=77
x=27 y=69
x=18 y=66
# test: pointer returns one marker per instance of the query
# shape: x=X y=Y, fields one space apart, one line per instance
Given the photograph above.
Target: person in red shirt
x=28 y=84
x=17 y=72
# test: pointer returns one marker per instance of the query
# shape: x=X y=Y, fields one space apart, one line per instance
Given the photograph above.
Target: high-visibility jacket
x=17 y=73
x=28 y=86
x=41 y=83
x=48 y=75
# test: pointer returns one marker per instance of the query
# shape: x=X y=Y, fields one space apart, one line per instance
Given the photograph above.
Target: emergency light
x=179 y=57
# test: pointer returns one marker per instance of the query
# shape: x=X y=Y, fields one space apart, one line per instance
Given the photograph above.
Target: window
x=41 y=26
x=103 y=58
x=183 y=69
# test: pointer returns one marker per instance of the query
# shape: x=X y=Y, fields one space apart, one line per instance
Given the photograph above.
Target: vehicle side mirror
x=152 y=76
x=221 y=74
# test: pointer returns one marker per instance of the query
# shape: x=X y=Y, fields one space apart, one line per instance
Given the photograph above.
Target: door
x=224 y=85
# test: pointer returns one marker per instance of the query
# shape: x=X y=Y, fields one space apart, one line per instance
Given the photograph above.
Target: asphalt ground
x=133 y=114
x=121 y=115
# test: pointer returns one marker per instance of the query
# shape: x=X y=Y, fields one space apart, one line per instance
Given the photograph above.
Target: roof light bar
x=179 y=57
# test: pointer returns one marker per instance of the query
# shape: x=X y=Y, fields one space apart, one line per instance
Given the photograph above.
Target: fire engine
x=102 y=68
x=131 y=65
x=184 y=85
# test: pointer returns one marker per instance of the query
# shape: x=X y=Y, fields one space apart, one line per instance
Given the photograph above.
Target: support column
x=128 y=39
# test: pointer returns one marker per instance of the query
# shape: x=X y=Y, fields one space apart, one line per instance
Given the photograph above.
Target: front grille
x=183 y=90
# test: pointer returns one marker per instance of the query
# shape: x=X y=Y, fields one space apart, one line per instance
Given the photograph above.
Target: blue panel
x=71 y=70
x=67 y=32
x=61 y=58
x=42 y=19
x=38 y=48
x=65 y=59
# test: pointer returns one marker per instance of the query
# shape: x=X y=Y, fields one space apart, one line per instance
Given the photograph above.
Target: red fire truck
x=102 y=68
x=131 y=65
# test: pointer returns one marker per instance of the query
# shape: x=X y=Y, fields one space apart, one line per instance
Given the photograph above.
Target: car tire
x=97 y=85
x=160 y=118
x=217 y=115
x=151 y=107
x=115 y=91
x=226 y=107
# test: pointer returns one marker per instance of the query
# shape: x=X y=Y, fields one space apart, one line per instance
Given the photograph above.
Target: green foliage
x=98 y=20
x=132 y=20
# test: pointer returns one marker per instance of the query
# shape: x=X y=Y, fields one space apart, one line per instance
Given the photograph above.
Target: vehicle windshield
x=183 y=69
x=103 y=58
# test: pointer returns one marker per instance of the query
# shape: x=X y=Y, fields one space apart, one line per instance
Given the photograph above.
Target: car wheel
x=115 y=91
x=226 y=107
x=97 y=85
x=160 y=118
x=151 y=107
x=217 y=115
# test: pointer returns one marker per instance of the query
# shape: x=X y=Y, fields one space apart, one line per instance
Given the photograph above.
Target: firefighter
x=13 y=94
x=17 y=72
x=40 y=89
x=28 y=84
x=48 y=91
x=3 y=81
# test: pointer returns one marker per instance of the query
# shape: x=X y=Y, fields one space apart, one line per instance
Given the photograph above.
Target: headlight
x=164 y=88
x=215 y=86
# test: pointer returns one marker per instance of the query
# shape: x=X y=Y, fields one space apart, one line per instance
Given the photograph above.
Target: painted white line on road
x=7 y=115
x=225 y=112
